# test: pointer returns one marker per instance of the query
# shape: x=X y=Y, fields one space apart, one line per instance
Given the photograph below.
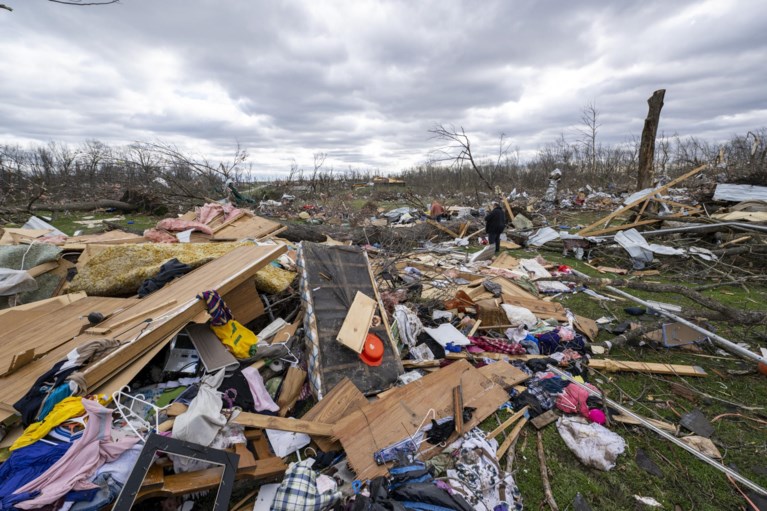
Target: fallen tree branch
x=544 y=474
x=732 y=314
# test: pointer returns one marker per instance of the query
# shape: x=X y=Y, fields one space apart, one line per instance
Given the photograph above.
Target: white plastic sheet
x=15 y=281
x=594 y=445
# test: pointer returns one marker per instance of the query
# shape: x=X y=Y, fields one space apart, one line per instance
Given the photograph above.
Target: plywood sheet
x=246 y=226
x=541 y=308
x=337 y=404
x=51 y=330
x=389 y=420
x=355 y=328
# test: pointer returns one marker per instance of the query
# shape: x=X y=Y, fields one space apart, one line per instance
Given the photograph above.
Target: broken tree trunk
x=645 y=174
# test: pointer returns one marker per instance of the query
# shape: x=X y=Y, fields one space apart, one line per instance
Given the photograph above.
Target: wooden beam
x=508 y=422
x=646 y=367
x=510 y=439
x=442 y=228
x=458 y=408
x=508 y=209
x=256 y=420
x=652 y=193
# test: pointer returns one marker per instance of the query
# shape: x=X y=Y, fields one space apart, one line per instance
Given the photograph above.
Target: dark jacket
x=495 y=221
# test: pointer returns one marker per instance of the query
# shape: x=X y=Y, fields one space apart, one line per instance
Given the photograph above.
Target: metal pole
x=721 y=341
x=719 y=466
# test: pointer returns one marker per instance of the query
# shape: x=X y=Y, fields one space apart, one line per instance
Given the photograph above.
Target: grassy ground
x=687 y=482
x=69 y=222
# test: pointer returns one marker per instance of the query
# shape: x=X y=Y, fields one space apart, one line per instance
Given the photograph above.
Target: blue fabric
x=548 y=342
x=56 y=395
x=25 y=465
x=105 y=494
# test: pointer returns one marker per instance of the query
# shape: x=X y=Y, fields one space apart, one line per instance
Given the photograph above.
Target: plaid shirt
x=499 y=345
x=298 y=491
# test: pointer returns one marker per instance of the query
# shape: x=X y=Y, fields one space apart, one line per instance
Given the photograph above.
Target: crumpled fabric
x=594 y=445
x=25 y=465
x=519 y=315
x=158 y=236
x=74 y=470
x=298 y=491
x=261 y=398
x=64 y=410
x=204 y=214
x=477 y=475
x=203 y=419
x=409 y=324
x=226 y=437
x=110 y=478
x=168 y=271
x=574 y=399
x=499 y=345
x=178 y=225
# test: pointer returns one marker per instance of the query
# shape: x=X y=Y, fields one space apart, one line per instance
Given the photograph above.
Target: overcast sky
x=364 y=81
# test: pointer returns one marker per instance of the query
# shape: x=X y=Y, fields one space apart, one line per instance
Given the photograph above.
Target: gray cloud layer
x=364 y=80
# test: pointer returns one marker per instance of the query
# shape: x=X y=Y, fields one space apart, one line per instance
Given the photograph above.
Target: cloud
x=364 y=80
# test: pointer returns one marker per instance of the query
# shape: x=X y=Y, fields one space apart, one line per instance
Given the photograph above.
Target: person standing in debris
x=436 y=212
x=495 y=224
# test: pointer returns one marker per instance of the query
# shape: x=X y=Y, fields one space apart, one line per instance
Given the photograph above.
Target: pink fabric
x=261 y=398
x=209 y=211
x=75 y=469
x=159 y=236
x=573 y=399
x=178 y=225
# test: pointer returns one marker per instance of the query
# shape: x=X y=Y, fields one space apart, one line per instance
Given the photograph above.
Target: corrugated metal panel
x=738 y=193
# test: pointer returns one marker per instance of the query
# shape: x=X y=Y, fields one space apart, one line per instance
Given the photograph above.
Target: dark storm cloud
x=364 y=81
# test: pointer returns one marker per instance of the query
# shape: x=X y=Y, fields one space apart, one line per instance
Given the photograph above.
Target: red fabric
x=573 y=399
x=178 y=225
x=499 y=346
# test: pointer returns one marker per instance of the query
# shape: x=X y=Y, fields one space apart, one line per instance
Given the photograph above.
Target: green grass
x=687 y=481
x=67 y=222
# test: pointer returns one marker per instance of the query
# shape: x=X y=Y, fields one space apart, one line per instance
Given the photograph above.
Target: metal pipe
x=719 y=466
x=721 y=341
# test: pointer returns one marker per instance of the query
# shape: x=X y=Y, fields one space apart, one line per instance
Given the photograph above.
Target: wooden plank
x=51 y=330
x=343 y=399
x=586 y=231
x=541 y=308
x=505 y=261
x=646 y=367
x=290 y=389
x=43 y=268
x=245 y=302
x=587 y=327
x=503 y=374
x=246 y=226
x=256 y=420
x=42 y=306
x=132 y=318
x=442 y=228
x=355 y=328
x=208 y=479
x=458 y=409
x=508 y=422
x=509 y=211
x=625 y=419
x=222 y=274
x=389 y=420
x=511 y=438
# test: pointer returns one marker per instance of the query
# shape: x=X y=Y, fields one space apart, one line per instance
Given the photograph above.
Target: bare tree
x=458 y=149
x=590 y=127
x=319 y=161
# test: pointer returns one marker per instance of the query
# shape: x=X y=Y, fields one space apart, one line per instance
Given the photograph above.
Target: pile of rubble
x=144 y=370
